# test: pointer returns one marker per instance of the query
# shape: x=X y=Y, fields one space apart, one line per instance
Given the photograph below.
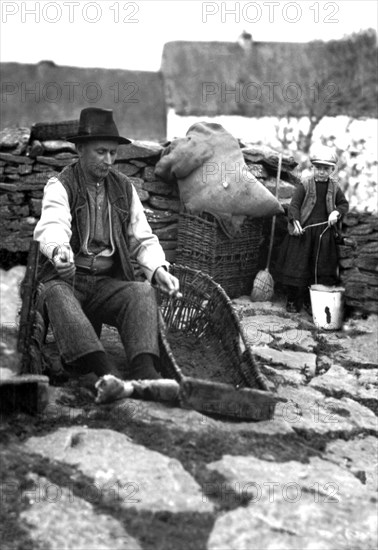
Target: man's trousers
x=74 y=308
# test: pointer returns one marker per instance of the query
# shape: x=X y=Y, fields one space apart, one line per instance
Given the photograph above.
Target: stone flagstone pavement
x=138 y=474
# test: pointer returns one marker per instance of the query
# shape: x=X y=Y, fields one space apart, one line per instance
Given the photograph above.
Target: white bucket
x=327 y=303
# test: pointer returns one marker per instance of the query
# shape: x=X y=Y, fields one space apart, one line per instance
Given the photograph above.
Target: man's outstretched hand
x=167 y=282
x=63 y=260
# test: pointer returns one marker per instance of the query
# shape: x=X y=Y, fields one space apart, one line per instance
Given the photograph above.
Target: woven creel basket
x=206 y=313
x=232 y=262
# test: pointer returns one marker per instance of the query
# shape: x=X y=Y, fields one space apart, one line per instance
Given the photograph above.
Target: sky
x=131 y=35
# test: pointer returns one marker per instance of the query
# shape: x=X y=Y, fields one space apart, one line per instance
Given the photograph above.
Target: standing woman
x=317 y=199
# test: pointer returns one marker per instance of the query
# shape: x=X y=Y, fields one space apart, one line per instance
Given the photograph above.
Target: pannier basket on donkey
x=230 y=383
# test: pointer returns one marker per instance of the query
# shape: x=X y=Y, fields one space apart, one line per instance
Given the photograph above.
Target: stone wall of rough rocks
x=24 y=170
x=359 y=266
x=25 y=166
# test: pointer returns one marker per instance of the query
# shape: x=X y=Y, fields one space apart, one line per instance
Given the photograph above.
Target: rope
x=318 y=251
x=314 y=225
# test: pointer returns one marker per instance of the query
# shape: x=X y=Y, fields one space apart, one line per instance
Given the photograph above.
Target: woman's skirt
x=308 y=258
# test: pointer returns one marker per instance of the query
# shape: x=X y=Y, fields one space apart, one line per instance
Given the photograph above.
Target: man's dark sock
x=142 y=367
x=96 y=362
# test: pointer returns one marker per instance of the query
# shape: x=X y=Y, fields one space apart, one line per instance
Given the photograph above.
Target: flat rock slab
x=359 y=341
x=270 y=481
x=148 y=412
x=297 y=360
x=298 y=337
x=147 y=479
x=362 y=417
x=358 y=455
x=11 y=138
x=310 y=506
x=368 y=378
x=338 y=382
x=137 y=410
x=269 y=323
x=55 y=409
x=255 y=336
x=187 y=421
x=138 y=150
x=283 y=376
x=308 y=411
x=304 y=526
x=58 y=519
x=244 y=305
x=275 y=426
x=15 y=159
x=53 y=146
x=291 y=519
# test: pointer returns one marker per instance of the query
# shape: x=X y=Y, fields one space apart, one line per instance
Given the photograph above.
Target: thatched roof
x=136 y=97
x=266 y=78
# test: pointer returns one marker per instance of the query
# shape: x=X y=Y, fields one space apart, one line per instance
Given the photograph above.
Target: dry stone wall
x=26 y=164
x=359 y=264
x=25 y=167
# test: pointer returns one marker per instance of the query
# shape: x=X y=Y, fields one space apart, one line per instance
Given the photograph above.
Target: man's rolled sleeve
x=54 y=227
x=144 y=245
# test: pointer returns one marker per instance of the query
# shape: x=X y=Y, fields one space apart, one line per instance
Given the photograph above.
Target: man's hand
x=167 y=282
x=63 y=260
x=298 y=230
x=333 y=217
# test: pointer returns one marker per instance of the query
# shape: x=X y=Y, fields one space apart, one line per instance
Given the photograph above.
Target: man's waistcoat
x=119 y=192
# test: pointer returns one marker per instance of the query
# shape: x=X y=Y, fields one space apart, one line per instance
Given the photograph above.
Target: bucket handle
x=317 y=254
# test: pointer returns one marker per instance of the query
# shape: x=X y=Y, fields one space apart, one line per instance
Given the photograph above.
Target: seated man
x=92 y=225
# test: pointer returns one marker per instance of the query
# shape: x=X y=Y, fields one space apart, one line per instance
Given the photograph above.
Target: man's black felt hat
x=95 y=124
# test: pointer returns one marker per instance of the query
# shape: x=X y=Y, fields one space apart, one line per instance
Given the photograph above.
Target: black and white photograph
x=188 y=275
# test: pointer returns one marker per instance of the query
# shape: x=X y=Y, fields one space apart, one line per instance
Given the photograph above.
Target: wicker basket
x=44 y=131
x=232 y=262
x=205 y=312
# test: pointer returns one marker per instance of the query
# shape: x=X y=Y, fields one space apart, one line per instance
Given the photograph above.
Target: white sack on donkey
x=212 y=175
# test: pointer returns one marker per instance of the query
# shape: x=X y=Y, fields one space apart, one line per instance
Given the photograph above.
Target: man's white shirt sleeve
x=54 y=227
x=144 y=245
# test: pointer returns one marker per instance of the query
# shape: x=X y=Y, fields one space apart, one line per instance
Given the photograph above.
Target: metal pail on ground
x=327 y=303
